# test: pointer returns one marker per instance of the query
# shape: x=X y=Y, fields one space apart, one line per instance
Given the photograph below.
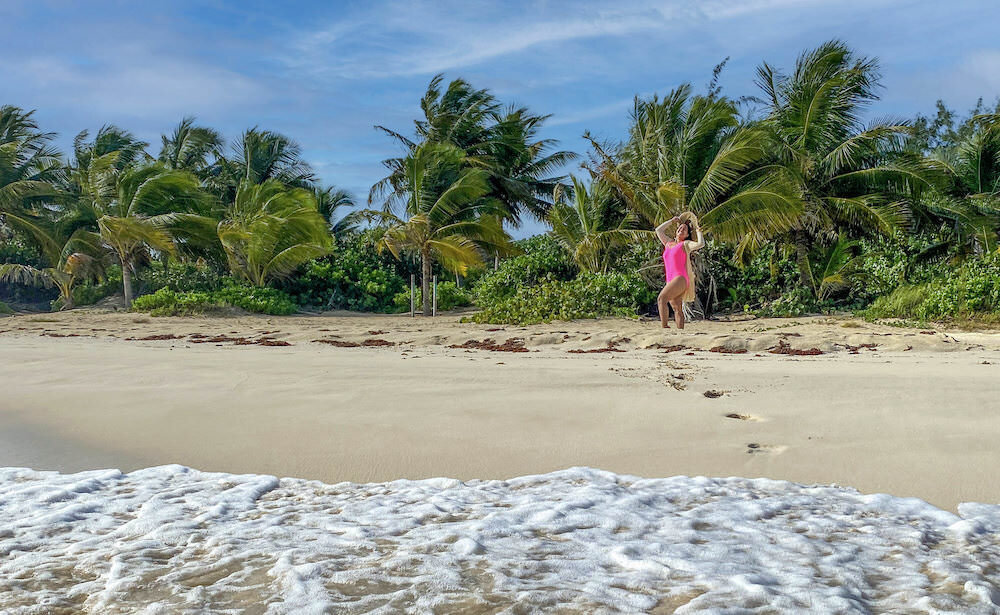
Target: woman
x=677 y=265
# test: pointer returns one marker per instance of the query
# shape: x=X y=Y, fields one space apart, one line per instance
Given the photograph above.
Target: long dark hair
x=690 y=230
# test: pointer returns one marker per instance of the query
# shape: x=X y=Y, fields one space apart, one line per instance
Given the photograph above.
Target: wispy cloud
x=152 y=87
x=618 y=107
x=406 y=47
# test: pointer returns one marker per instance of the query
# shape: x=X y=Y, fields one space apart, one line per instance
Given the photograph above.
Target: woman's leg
x=678 y=305
x=673 y=290
x=661 y=304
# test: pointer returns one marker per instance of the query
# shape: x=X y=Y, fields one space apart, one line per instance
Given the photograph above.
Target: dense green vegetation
x=806 y=204
x=167 y=302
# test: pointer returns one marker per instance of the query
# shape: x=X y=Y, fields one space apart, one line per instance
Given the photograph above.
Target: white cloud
x=135 y=86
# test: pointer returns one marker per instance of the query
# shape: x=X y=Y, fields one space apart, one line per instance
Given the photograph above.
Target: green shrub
x=796 y=302
x=888 y=263
x=587 y=296
x=973 y=289
x=353 y=277
x=449 y=297
x=543 y=260
x=166 y=302
x=769 y=275
x=903 y=302
x=970 y=290
x=5 y=309
x=180 y=277
x=262 y=300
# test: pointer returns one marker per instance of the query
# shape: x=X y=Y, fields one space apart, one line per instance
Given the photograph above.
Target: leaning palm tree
x=584 y=227
x=845 y=175
x=80 y=258
x=134 y=210
x=448 y=217
x=271 y=229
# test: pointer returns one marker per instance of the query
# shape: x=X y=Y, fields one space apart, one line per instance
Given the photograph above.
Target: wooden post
x=413 y=293
x=434 y=311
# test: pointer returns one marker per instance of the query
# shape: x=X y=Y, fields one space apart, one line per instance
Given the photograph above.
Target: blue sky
x=325 y=72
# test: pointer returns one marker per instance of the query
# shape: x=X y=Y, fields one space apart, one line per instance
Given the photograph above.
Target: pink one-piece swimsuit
x=675 y=262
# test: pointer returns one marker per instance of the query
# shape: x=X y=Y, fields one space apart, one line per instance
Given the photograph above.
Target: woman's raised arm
x=661 y=231
x=699 y=243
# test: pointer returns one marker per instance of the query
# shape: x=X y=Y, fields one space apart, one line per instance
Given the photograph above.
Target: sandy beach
x=339 y=397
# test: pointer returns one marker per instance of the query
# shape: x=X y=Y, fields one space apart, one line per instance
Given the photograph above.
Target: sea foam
x=174 y=540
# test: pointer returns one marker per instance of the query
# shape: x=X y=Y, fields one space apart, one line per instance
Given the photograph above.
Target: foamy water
x=175 y=540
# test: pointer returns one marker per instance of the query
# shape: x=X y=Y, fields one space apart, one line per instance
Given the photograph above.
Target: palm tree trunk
x=425 y=282
x=802 y=260
x=67 y=300
x=127 y=284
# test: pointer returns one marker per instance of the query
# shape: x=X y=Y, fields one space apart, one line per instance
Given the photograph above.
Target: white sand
x=916 y=416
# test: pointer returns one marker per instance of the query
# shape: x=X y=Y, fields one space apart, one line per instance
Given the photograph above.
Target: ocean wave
x=175 y=540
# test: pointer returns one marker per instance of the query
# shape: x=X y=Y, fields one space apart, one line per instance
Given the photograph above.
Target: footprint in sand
x=741 y=417
x=755 y=448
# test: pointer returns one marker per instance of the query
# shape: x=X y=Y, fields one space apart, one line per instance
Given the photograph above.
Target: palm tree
x=844 y=175
x=448 y=216
x=328 y=201
x=459 y=116
x=503 y=142
x=522 y=169
x=78 y=259
x=969 y=206
x=271 y=229
x=837 y=266
x=110 y=138
x=585 y=228
x=135 y=208
x=689 y=152
x=29 y=171
x=189 y=147
x=260 y=155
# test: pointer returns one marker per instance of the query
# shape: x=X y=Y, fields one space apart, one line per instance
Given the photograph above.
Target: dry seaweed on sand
x=784 y=347
x=339 y=343
x=371 y=342
x=513 y=344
